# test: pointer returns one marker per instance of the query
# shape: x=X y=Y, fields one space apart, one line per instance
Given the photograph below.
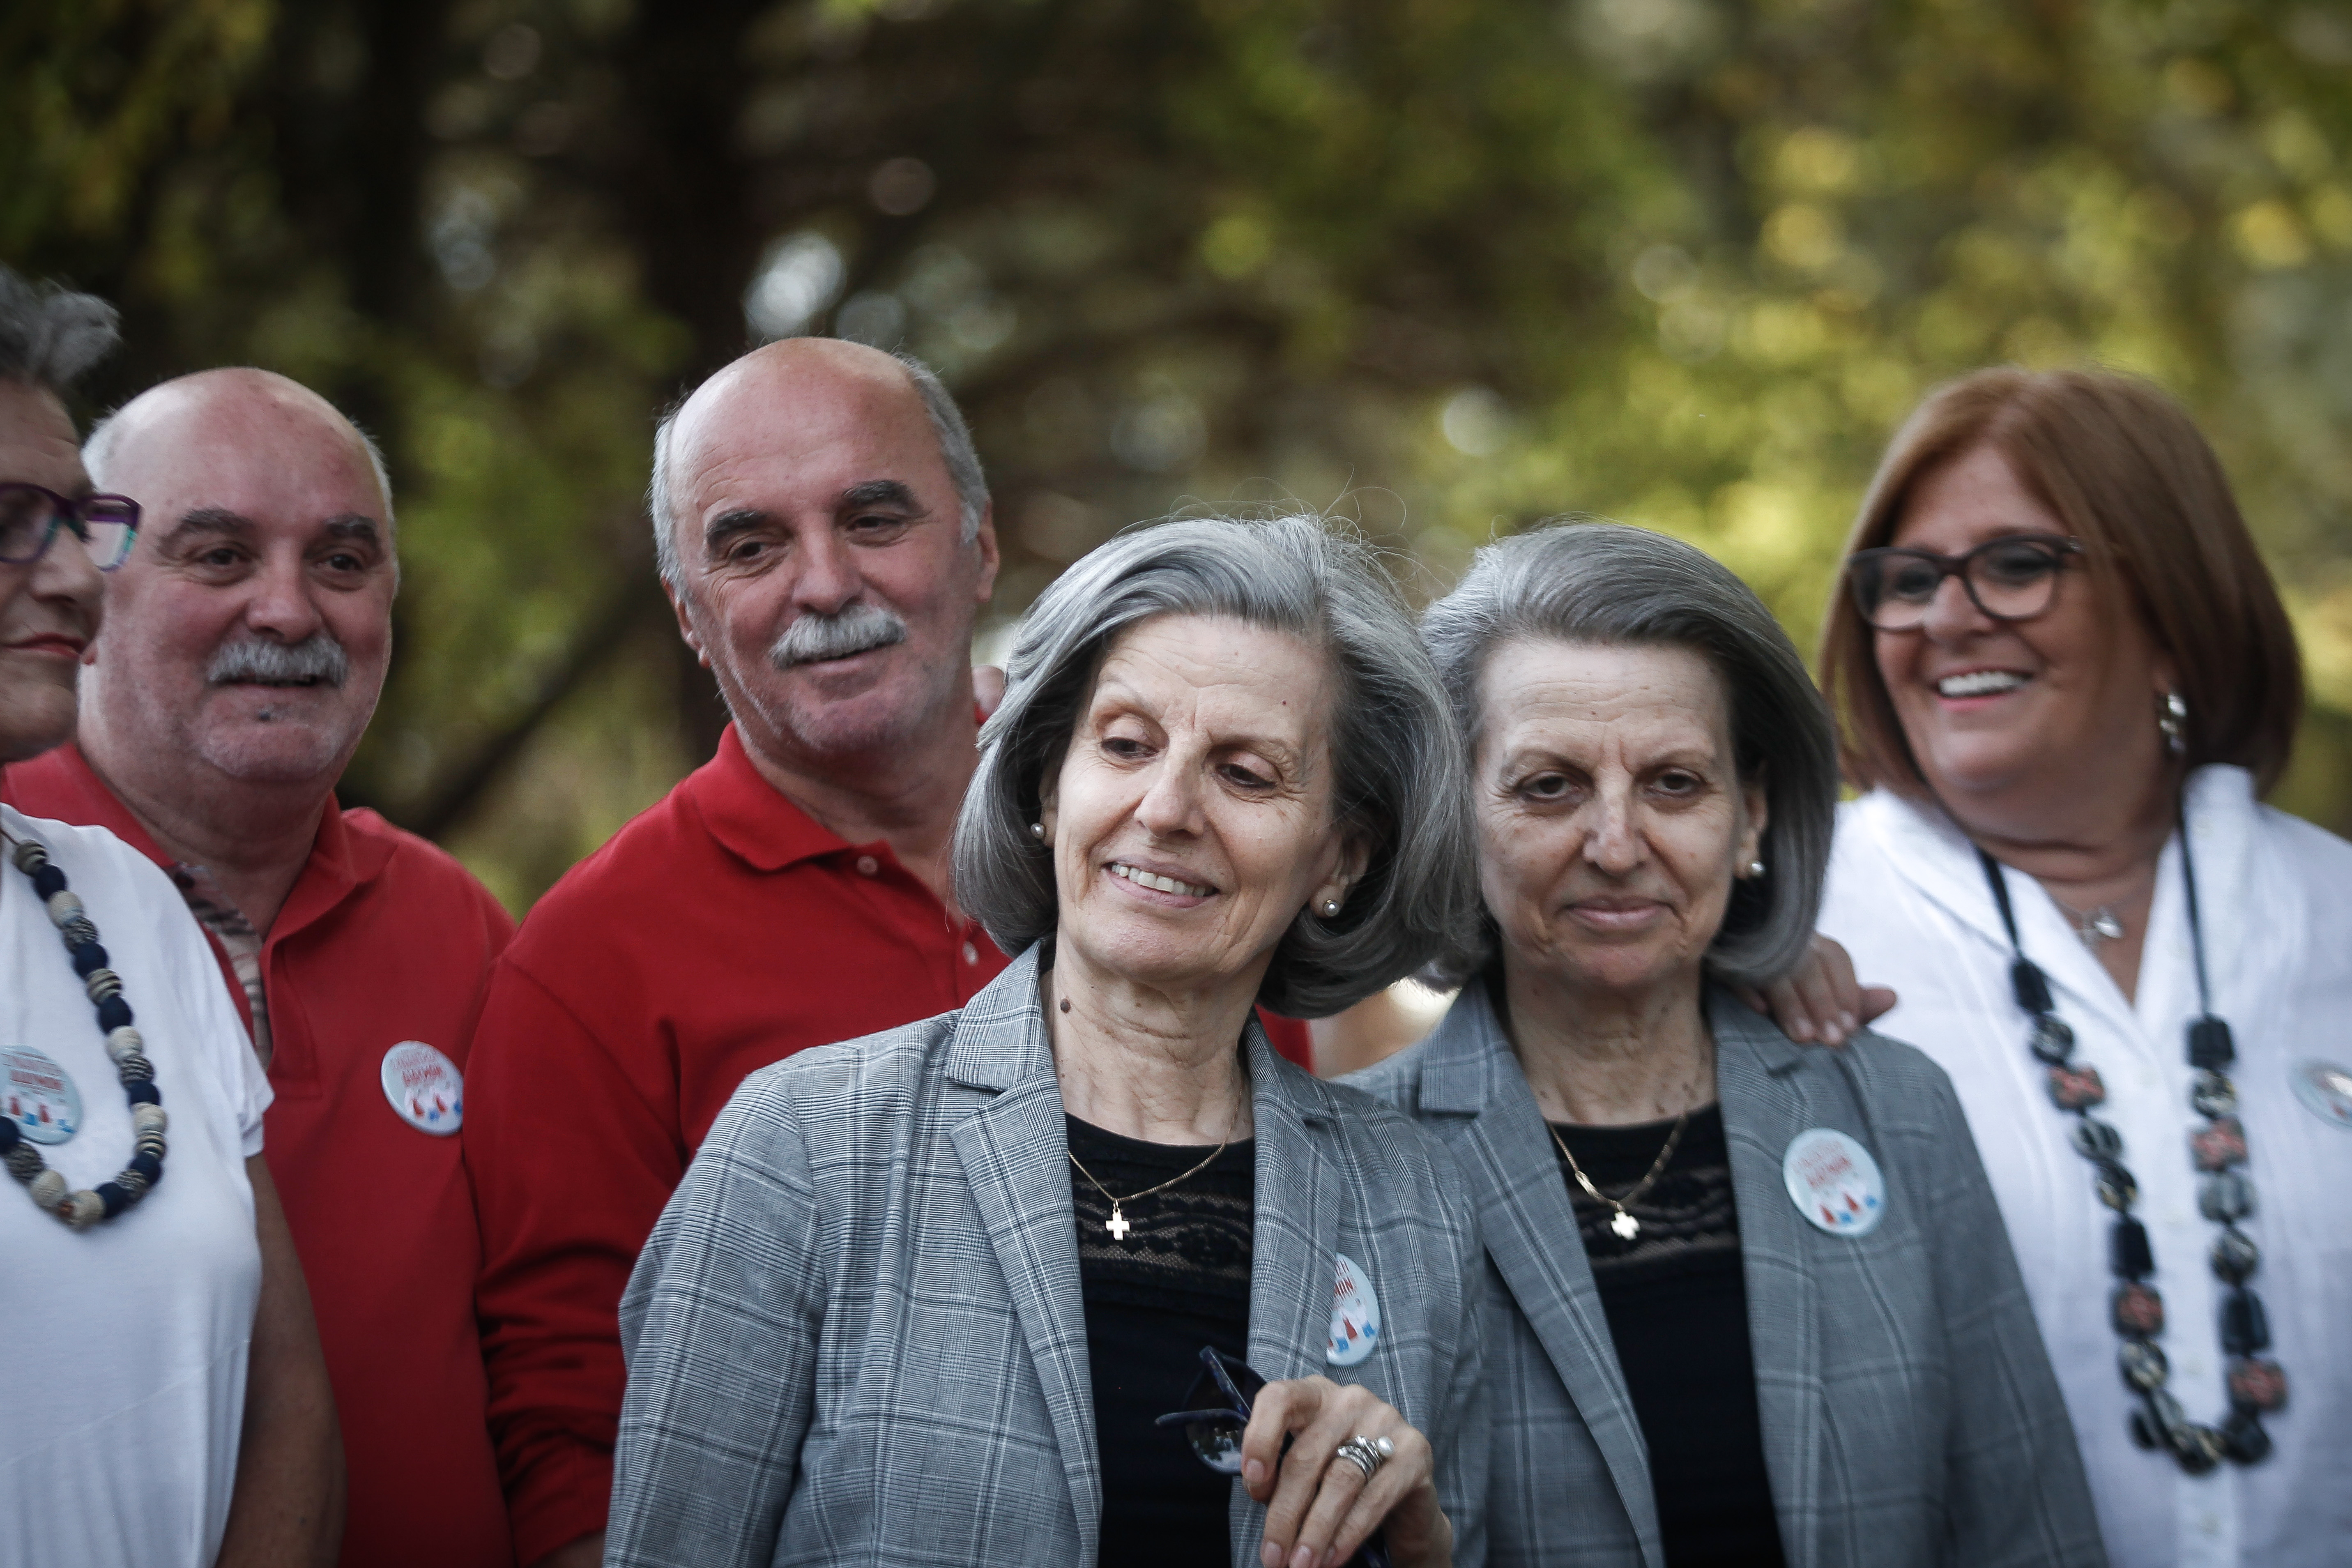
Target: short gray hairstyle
x=956 y=451
x=1610 y=586
x=1396 y=767
x=49 y=336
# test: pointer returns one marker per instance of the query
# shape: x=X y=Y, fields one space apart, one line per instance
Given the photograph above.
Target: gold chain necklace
x=1626 y=1226
x=1117 y=1224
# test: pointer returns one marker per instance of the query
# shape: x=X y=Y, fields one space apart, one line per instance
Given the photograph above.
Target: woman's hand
x=1319 y=1508
x=1820 y=999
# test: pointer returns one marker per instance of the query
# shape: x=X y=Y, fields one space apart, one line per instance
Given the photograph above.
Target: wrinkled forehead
x=36 y=439
x=1664 y=694
x=823 y=425
x=1221 y=674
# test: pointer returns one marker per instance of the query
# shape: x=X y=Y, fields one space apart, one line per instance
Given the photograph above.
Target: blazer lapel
x=1014 y=1150
x=1761 y=1112
x=1531 y=1234
x=1295 y=1234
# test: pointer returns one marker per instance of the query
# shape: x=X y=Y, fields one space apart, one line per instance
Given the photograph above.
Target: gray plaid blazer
x=857 y=1335
x=1908 y=1409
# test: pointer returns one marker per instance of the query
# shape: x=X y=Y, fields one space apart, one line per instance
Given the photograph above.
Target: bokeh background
x=1448 y=265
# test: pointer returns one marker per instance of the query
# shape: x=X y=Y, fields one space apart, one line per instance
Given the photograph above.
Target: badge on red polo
x=425 y=1087
x=1833 y=1182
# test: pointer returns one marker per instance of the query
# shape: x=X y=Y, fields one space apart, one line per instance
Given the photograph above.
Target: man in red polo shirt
x=245 y=647
x=825 y=534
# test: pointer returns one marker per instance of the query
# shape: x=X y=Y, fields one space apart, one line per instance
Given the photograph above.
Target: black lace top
x=1179 y=1280
x=1678 y=1310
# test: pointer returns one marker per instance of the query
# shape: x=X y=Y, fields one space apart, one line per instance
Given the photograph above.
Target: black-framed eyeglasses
x=2013 y=578
x=1214 y=1431
x=31 y=517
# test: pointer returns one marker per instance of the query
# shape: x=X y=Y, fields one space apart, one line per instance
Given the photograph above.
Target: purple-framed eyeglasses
x=31 y=516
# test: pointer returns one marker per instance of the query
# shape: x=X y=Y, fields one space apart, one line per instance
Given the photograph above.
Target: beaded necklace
x=82 y=1209
x=2255 y=1385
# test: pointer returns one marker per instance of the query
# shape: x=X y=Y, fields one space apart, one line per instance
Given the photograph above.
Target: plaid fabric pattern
x=856 y=1335
x=1908 y=1409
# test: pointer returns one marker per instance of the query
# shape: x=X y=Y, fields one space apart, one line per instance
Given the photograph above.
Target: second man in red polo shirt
x=825 y=534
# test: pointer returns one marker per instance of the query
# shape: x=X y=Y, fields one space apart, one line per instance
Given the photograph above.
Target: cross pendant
x=1626 y=1225
x=1117 y=1225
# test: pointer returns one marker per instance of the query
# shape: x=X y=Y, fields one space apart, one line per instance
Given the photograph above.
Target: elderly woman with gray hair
x=1750 y=1302
x=1041 y=1280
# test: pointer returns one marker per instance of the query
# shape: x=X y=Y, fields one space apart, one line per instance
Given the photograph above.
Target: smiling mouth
x=1158 y=883
x=1981 y=683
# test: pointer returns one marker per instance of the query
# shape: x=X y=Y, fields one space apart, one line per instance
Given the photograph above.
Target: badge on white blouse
x=1833 y=1182
x=425 y=1087
x=39 y=1095
x=2326 y=1090
x=1354 y=1314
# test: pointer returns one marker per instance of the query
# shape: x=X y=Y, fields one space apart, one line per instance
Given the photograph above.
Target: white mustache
x=859 y=628
x=317 y=660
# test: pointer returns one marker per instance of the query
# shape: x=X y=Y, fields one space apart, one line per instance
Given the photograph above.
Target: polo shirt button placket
x=867 y=866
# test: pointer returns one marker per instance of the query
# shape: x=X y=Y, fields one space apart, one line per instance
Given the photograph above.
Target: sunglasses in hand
x=1214 y=1429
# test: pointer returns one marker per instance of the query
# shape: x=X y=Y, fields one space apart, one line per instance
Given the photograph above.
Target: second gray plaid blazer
x=857 y=1335
x=1909 y=1414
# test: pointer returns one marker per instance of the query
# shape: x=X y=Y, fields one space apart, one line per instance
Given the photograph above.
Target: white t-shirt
x=1908 y=899
x=126 y=1343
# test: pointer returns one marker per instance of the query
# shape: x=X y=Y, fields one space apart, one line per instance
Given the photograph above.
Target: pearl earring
x=1037 y=831
x=1756 y=868
x=1330 y=907
x=2174 y=723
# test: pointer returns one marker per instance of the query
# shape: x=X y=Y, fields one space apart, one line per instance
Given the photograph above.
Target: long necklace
x=123 y=1045
x=2255 y=1385
x=1117 y=1224
x=1626 y=1226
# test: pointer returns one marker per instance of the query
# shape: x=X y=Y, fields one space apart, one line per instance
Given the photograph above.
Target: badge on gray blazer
x=1833 y=1182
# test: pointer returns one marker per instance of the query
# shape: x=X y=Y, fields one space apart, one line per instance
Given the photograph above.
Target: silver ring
x=1366 y=1454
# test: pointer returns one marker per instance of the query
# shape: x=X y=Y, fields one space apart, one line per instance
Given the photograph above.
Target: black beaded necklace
x=123 y=1045
x=2218 y=1148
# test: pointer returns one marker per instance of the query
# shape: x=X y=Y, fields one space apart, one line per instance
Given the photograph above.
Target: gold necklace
x=1117 y=1224
x=1626 y=1226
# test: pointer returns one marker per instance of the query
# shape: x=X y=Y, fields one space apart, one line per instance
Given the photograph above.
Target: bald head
x=229 y=402
x=821 y=366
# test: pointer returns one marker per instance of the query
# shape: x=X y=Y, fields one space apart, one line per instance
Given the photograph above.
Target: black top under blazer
x=1909 y=1414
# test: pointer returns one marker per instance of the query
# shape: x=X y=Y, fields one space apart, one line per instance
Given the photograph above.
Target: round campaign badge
x=1833 y=1182
x=425 y=1087
x=1354 y=1314
x=39 y=1095
x=2326 y=1090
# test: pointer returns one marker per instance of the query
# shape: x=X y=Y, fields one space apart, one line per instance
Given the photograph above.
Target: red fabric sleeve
x=572 y=1151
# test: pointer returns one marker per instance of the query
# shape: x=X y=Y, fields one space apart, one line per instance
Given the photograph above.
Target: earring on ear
x=2173 y=720
x=1756 y=868
x=1330 y=907
x=1037 y=831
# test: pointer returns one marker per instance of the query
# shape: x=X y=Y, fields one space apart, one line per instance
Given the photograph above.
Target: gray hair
x=49 y=336
x=1399 y=782
x=1610 y=586
x=956 y=451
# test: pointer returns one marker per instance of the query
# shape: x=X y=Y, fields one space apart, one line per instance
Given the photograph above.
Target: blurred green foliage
x=1450 y=265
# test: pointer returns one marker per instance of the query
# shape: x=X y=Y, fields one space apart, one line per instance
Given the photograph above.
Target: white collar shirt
x=1909 y=899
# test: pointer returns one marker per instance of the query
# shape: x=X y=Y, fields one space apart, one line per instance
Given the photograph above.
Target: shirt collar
x=63 y=785
x=756 y=822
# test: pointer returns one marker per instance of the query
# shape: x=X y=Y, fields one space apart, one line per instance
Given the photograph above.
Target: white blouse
x=125 y=1343
x=1908 y=899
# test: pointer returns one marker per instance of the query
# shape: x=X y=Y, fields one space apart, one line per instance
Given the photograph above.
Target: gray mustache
x=317 y=660
x=860 y=628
